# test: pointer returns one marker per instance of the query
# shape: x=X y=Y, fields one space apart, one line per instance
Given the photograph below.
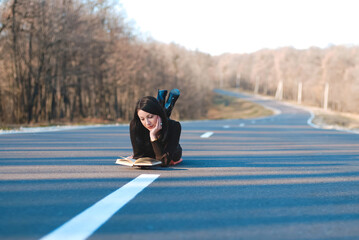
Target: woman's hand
x=154 y=131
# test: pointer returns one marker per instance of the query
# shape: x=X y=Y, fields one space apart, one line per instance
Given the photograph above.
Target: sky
x=246 y=26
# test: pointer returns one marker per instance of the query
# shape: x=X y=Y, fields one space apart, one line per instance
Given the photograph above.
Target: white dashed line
x=87 y=222
x=206 y=135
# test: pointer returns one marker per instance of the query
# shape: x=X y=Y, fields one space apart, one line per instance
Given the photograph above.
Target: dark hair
x=151 y=105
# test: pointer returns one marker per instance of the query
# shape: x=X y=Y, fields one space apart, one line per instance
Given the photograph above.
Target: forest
x=79 y=60
x=303 y=76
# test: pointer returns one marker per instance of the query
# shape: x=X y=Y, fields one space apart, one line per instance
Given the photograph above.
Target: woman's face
x=148 y=120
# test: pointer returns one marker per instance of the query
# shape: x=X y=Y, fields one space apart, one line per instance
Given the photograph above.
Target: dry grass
x=324 y=119
x=225 y=107
x=336 y=119
x=75 y=122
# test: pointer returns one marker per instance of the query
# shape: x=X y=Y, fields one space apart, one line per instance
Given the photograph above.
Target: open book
x=141 y=162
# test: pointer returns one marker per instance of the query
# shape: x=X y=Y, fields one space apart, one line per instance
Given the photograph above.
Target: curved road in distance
x=267 y=178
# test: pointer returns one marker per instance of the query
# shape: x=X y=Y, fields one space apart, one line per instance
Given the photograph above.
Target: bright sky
x=244 y=26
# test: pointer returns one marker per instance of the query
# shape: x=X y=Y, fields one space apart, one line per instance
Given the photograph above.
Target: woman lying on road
x=153 y=133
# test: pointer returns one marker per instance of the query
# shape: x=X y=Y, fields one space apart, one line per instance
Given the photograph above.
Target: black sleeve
x=164 y=151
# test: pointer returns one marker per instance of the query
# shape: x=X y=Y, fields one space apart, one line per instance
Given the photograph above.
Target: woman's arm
x=164 y=151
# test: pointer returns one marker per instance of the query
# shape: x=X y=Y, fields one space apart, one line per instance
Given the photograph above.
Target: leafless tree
x=313 y=68
x=75 y=60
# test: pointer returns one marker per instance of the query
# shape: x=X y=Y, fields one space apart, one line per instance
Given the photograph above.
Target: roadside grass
x=226 y=107
x=325 y=119
x=222 y=107
x=332 y=119
x=76 y=122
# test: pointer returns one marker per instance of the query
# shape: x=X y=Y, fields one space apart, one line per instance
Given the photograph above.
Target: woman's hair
x=151 y=105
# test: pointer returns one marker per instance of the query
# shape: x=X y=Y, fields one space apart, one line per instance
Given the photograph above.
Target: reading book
x=140 y=162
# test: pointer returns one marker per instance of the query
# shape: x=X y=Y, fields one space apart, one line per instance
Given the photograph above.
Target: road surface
x=267 y=178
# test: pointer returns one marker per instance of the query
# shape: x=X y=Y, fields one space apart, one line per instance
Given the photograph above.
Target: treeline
x=76 y=60
x=299 y=75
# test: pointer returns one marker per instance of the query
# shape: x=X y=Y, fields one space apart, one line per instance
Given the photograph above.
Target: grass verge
x=226 y=107
x=327 y=119
x=331 y=119
x=78 y=122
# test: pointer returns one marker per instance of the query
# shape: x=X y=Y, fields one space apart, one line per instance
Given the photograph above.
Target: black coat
x=165 y=151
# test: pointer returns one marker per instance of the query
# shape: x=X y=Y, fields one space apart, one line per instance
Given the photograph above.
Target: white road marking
x=242 y=125
x=207 y=134
x=87 y=222
x=226 y=126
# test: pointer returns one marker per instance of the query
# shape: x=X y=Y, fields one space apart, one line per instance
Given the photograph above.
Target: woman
x=153 y=134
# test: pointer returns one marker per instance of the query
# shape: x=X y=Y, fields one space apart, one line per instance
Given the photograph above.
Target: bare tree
x=313 y=68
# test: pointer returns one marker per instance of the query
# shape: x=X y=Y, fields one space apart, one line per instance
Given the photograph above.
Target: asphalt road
x=267 y=178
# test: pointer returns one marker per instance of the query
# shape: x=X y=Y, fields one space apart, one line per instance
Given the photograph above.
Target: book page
x=125 y=161
x=146 y=161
